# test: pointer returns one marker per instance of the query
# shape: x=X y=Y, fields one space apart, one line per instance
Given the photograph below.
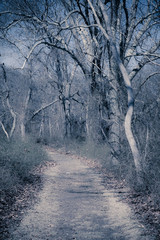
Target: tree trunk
x=114 y=130
x=41 y=129
x=128 y=117
x=67 y=119
x=114 y=111
x=93 y=118
x=50 y=129
x=23 y=131
x=128 y=121
x=20 y=130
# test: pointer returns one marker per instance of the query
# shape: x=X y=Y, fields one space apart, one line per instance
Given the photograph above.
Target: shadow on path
x=74 y=204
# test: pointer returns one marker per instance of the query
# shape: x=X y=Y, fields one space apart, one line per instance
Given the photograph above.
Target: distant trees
x=13 y=115
x=109 y=42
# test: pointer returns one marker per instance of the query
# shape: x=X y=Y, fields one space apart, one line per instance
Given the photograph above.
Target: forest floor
x=78 y=201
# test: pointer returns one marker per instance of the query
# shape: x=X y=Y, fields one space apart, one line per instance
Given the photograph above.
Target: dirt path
x=74 y=204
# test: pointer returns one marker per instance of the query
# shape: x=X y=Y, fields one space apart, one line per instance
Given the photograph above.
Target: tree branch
x=70 y=13
x=153 y=74
x=4 y=130
x=30 y=52
x=42 y=108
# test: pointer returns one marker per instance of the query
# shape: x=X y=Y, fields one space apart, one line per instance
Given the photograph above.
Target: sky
x=10 y=57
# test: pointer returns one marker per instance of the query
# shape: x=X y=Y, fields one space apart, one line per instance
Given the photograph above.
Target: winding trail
x=74 y=204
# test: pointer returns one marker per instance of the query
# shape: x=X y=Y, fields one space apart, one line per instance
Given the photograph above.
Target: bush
x=17 y=161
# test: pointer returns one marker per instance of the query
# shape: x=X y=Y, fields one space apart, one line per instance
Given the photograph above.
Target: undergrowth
x=92 y=150
x=124 y=171
x=17 y=162
x=100 y=152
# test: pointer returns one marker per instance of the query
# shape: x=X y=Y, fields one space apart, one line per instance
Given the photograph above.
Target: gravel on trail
x=74 y=204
